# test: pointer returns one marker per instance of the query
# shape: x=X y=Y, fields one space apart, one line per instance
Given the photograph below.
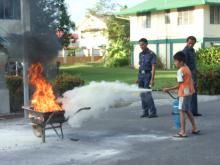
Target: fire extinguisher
x=175 y=110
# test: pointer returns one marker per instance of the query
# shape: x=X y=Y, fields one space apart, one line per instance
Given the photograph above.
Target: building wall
x=93 y=39
x=211 y=30
x=9 y=26
x=170 y=38
x=12 y=26
x=92 y=35
x=160 y=30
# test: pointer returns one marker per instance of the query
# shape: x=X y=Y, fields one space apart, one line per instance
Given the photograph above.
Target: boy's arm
x=171 y=88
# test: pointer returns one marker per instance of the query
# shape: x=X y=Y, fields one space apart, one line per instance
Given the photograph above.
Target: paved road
x=117 y=137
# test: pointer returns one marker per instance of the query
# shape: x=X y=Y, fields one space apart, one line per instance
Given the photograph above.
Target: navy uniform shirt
x=146 y=59
x=190 y=58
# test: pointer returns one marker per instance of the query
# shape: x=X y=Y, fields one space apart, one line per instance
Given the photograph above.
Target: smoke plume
x=100 y=97
x=36 y=48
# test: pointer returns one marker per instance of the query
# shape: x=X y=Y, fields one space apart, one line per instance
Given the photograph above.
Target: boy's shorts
x=185 y=103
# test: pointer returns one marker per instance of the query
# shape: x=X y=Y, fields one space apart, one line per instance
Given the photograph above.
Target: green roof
x=159 y=5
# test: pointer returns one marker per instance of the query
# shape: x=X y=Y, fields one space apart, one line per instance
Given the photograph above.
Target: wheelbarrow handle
x=82 y=109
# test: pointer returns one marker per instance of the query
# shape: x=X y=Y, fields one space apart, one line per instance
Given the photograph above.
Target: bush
x=118 y=55
x=15 y=86
x=66 y=82
x=209 y=56
x=117 y=61
x=208 y=70
x=160 y=64
x=208 y=79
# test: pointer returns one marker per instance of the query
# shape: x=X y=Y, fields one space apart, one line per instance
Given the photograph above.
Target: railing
x=74 y=59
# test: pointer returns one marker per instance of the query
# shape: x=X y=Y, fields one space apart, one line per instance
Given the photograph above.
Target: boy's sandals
x=196 y=132
x=179 y=135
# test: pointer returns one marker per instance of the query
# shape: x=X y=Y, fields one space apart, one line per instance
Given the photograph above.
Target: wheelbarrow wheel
x=37 y=130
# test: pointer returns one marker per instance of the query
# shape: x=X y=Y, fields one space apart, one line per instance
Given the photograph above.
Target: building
x=92 y=35
x=167 y=23
x=14 y=19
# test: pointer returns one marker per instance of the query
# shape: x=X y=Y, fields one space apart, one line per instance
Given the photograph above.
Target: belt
x=144 y=71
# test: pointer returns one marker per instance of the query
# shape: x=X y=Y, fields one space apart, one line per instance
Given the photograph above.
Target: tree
x=118 y=32
x=41 y=44
x=104 y=7
x=64 y=24
x=50 y=16
x=119 y=35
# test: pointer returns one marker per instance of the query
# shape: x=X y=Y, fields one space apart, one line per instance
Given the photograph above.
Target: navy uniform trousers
x=194 y=103
x=146 y=97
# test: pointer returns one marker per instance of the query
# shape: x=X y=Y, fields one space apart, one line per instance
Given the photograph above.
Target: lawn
x=97 y=72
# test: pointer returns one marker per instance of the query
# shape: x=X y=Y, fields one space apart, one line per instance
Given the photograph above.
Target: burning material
x=43 y=99
x=45 y=112
x=44 y=109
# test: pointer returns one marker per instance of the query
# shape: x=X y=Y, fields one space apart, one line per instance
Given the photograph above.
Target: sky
x=77 y=8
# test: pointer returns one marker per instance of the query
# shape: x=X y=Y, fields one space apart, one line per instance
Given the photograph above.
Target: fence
x=74 y=59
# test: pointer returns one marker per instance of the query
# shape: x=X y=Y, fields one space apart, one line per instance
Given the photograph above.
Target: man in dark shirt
x=146 y=75
x=190 y=55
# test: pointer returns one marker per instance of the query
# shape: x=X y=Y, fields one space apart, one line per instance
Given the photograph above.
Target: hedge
x=208 y=70
x=208 y=79
x=65 y=81
x=15 y=86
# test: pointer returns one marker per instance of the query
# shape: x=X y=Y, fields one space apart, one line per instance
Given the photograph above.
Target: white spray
x=100 y=97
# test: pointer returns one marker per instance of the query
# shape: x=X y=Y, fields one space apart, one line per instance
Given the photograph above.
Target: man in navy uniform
x=190 y=54
x=146 y=75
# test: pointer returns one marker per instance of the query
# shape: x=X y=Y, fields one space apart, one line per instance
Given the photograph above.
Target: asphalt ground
x=117 y=137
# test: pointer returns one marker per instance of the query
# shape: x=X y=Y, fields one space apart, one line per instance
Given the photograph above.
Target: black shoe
x=144 y=115
x=197 y=115
x=152 y=116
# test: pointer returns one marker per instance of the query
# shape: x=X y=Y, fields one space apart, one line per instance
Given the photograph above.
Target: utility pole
x=25 y=19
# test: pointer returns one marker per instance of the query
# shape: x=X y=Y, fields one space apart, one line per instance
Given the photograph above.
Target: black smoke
x=34 y=48
x=39 y=43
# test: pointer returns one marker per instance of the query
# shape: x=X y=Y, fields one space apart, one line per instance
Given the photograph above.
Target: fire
x=43 y=99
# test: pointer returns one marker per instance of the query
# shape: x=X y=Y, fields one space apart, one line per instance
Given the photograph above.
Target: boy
x=190 y=56
x=185 y=92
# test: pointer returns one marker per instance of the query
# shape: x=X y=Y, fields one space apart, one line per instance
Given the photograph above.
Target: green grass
x=97 y=72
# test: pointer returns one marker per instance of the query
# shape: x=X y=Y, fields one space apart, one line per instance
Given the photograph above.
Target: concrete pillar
x=4 y=106
x=25 y=19
x=4 y=93
x=25 y=15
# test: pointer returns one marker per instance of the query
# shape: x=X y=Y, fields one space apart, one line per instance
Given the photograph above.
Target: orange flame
x=43 y=99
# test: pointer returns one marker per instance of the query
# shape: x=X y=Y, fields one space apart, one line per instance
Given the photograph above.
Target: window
x=148 y=20
x=185 y=16
x=214 y=14
x=1 y=9
x=10 y=9
x=144 y=20
x=167 y=17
